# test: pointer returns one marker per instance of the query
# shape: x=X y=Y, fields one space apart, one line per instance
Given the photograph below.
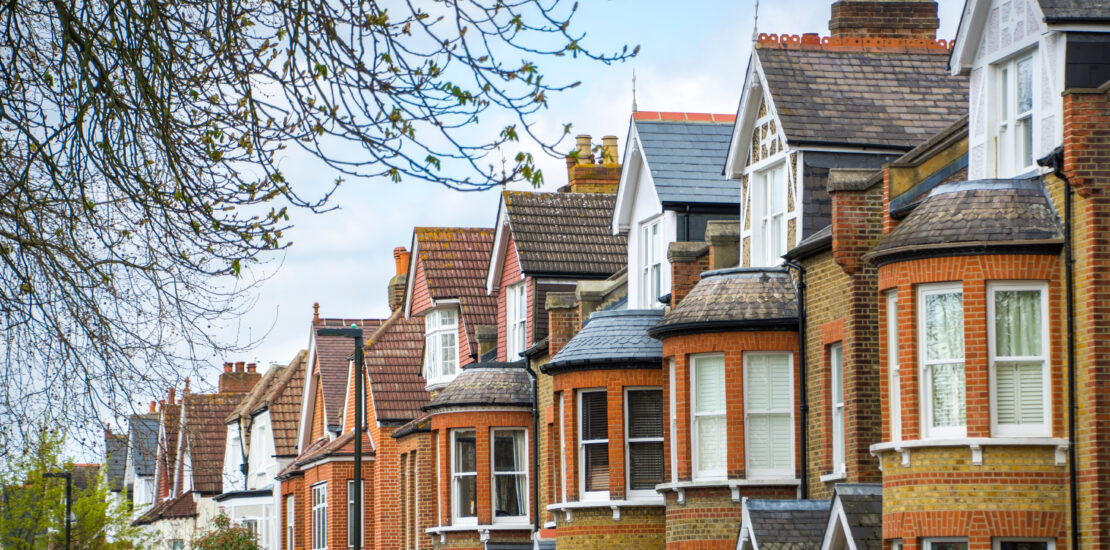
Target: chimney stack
x=171 y=395
x=153 y=407
x=227 y=367
x=401 y=257
x=251 y=367
x=909 y=19
x=241 y=379
x=584 y=176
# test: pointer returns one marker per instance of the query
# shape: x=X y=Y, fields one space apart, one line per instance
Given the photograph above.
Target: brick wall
x=510 y=274
x=418 y=486
x=710 y=518
x=336 y=475
x=884 y=19
x=293 y=487
x=641 y=528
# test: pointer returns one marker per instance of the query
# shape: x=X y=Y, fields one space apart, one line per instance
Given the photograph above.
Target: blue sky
x=693 y=57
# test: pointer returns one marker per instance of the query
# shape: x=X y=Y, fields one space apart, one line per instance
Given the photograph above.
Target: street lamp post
x=69 y=497
x=355 y=333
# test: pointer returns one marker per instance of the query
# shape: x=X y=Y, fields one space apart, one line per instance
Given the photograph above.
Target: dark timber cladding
x=1088 y=60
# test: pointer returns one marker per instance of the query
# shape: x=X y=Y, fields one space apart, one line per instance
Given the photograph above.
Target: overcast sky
x=693 y=57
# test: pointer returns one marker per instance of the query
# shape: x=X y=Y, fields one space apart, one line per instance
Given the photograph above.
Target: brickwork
x=688 y=260
x=884 y=19
x=418 y=490
x=293 y=487
x=336 y=475
x=594 y=178
x=710 y=518
x=1087 y=164
x=641 y=528
x=510 y=274
x=544 y=400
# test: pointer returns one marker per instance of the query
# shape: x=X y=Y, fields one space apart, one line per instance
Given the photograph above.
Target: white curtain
x=944 y=353
x=1019 y=366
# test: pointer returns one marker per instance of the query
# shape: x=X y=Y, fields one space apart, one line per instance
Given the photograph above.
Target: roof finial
x=634 y=107
x=755 y=24
x=316 y=312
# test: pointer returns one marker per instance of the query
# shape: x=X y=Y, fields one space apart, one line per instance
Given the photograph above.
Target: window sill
x=734 y=485
x=567 y=508
x=834 y=476
x=482 y=529
x=975 y=444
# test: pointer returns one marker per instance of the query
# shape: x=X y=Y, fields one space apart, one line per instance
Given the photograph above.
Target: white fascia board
x=837 y=518
x=500 y=245
x=972 y=20
x=410 y=280
x=626 y=192
x=746 y=522
x=308 y=397
x=748 y=112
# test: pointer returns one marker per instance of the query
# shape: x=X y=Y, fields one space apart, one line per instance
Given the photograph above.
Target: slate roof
x=980 y=213
x=1075 y=10
x=456 y=261
x=332 y=353
x=862 y=504
x=736 y=298
x=143 y=443
x=394 y=358
x=787 y=524
x=565 y=233
x=206 y=433
x=820 y=240
x=284 y=403
x=687 y=157
x=881 y=98
x=486 y=384
x=84 y=475
x=115 y=459
x=612 y=338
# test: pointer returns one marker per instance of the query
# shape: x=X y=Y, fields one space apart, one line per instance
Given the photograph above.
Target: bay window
x=441 y=350
x=320 y=516
x=651 y=263
x=593 y=447
x=768 y=206
x=836 y=362
x=942 y=358
x=708 y=427
x=516 y=314
x=510 y=475
x=351 y=514
x=1013 y=100
x=644 y=436
x=464 y=476
x=1018 y=334
x=290 y=514
x=893 y=363
x=769 y=415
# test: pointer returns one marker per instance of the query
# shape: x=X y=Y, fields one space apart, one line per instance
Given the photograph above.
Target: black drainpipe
x=1055 y=160
x=800 y=296
x=535 y=449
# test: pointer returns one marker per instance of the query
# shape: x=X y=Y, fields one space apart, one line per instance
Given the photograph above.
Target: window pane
x=948 y=394
x=645 y=413
x=645 y=462
x=466 y=496
x=944 y=326
x=711 y=443
x=1004 y=79
x=595 y=420
x=1023 y=545
x=1024 y=85
x=1017 y=323
x=1020 y=392
x=509 y=495
x=508 y=451
x=948 y=545
x=836 y=361
x=709 y=382
x=597 y=467
x=465 y=452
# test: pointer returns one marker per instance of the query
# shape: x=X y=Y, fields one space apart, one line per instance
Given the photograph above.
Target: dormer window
x=768 y=216
x=1013 y=99
x=516 y=312
x=651 y=262
x=441 y=349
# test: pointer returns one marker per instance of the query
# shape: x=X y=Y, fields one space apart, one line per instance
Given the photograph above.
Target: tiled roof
x=413 y=426
x=978 y=214
x=284 y=402
x=883 y=98
x=332 y=353
x=565 y=233
x=182 y=506
x=115 y=459
x=311 y=450
x=486 y=384
x=612 y=337
x=456 y=260
x=343 y=445
x=252 y=400
x=167 y=457
x=787 y=524
x=394 y=357
x=686 y=156
x=1076 y=10
x=206 y=432
x=144 y=443
x=739 y=298
x=862 y=504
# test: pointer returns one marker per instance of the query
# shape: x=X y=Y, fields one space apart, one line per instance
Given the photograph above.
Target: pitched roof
x=456 y=260
x=686 y=153
x=1075 y=10
x=612 y=337
x=889 y=98
x=253 y=398
x=786 y=524
x=983 y=213
x=565 y=233
x=332 y=353
x=115 y=459
x=206 y=433
x=394 y=357
x=284 y=402
x=343 y=445
x=143 y=444
x=486 y=384
x=182 y=506
x=167 y=456
x=862 y=507
x=416 y=425
x=84 y=475
x=736 y=298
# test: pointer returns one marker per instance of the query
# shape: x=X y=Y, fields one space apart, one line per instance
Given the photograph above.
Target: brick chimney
x=688 y=260
x=916 y=19
x=171 y=395
x=584 y=175
x=723 y=237
x=401 y=257
x=562 y=320
x=239 y=379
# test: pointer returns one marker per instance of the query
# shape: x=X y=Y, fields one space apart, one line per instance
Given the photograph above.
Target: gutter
x=1055 y=160
x=800 y=295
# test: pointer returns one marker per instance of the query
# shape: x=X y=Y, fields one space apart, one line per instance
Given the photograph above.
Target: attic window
x=1013 y=133
x=441 y=349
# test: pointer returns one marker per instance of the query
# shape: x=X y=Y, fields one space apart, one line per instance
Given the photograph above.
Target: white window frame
x=926 y=385
x=1003 y=131
x=652 y=262
x=523 y=518
x=320 y=516
x=836 y=364
x=894 y=366
x=786 y=471
x=927 y=541
x=1043 y=429
x=583 y=493
x=351 y=509
x=896 y=544
x=996 y=542
x=563 y=443
x=673 y=419
x=698 y=473
x=628 y=441
x=455 y=476
x=516 y=325
x=435 y=328
x=767 y=253
x=290 y=518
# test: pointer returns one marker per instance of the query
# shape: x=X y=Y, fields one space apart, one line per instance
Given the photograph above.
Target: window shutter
x=781 y=444
x=711 y=443
x=710 y=384
x=645 y=413
x=759 y=442
x=595 y=420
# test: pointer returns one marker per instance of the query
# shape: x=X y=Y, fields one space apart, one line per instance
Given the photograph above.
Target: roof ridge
x=814 y=41
x=676 y=116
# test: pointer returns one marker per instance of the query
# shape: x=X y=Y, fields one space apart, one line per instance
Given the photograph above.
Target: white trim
x=434 y=330
x=567 y=508
x=928 y=540
x=350 y=505
x=894 y=366
x=925 y=387
x=834 y=476
x=633 y=165
x=410 y=280
x=839 y=433
x=1043 y=429
x=583 y=494
x=514 y=292
x=673 y=420
x=315 y=528
x=500 y=247
x=515 y=520
x=975 y=445
x=837 y=525
x=638 y=493
x=563 y=442
x=732 y=484
x=1003 y=157
x=477 y=527
x=697 y=474
x=455 y=518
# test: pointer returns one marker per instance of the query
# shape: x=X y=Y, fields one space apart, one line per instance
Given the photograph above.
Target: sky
x=693 y=58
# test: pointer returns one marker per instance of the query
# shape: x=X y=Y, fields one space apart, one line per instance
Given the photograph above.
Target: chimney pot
x=186 y=385
x=609 y=150
x=227 y=367
x=240 y=366
x=401 y=258
x=153 y=407
x=170 y=395
x=251 y=367
x=316 y=312
x=583 y=144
